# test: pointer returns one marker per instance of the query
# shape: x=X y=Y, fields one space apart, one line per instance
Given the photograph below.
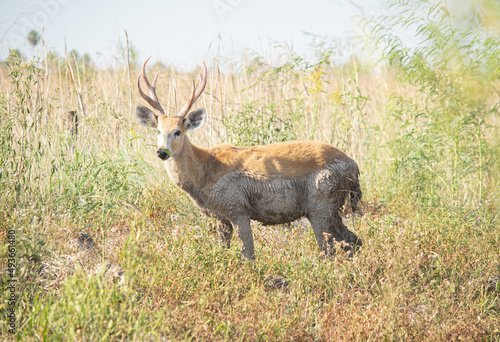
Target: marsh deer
x=273 y=184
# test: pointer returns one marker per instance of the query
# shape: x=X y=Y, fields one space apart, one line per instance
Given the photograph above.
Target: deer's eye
x=177 y=134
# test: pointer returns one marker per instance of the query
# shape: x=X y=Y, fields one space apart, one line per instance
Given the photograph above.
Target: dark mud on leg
x=341 y=233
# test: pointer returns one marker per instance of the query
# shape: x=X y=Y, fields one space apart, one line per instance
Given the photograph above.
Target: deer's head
x=171 y=129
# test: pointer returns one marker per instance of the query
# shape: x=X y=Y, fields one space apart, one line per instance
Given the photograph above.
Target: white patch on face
x=162 y=142
x=166 y=142
x=169 y=139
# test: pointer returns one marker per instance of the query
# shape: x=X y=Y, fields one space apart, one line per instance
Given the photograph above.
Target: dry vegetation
x=108 y=249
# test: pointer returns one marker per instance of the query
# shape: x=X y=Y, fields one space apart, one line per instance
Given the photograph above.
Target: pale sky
x=177 y=32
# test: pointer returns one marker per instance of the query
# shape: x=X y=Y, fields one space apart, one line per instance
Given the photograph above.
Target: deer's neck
x=188 y=167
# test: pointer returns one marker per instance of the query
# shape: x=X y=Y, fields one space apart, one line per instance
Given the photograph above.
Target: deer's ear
x=146 y=117
x=195 y=119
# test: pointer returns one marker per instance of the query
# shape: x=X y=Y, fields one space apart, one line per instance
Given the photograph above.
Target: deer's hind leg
x=320 y=222
x=329 y=229
x=341 y=233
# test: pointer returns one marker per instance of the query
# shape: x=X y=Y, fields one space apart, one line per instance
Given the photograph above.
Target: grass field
x=105 y=247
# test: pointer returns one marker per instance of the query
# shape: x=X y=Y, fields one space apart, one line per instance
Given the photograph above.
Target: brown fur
x=272 y=184
x=288 y=159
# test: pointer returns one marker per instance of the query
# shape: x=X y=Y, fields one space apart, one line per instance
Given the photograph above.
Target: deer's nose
x=162 y=154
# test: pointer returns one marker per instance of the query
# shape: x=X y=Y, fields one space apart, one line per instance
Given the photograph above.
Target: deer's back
x=288 y=159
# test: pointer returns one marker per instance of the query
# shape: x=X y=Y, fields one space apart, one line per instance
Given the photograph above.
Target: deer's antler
x=152 y=99
x=194 y=95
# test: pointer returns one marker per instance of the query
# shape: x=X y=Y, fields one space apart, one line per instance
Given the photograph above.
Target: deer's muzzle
x=163 y=154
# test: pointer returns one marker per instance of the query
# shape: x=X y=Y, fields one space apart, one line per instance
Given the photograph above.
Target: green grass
x=427 y=148
x=424 y=276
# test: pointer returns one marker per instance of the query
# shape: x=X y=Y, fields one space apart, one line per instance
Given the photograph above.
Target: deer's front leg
x=224 y=232
x=242 y=226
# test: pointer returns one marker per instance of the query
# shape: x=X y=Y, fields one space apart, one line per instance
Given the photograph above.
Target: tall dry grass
x=106 y=248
